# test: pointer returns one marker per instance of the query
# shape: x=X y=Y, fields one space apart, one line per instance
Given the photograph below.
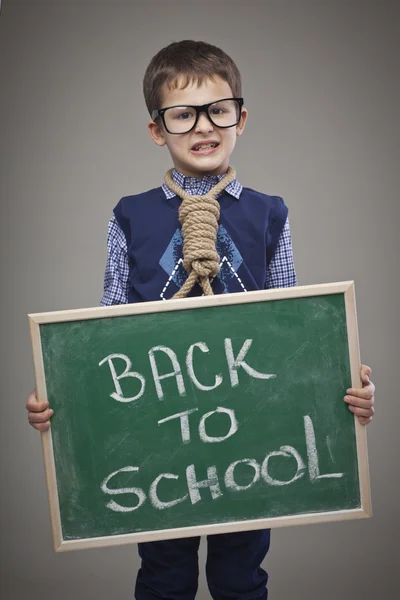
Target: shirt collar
x=196 y=186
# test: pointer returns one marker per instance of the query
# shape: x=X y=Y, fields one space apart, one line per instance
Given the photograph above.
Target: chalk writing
x=117 y=395
x=212 y=482
x=233 y=363
x=196 y=486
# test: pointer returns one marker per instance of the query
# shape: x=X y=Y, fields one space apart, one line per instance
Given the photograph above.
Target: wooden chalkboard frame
x=346 y=288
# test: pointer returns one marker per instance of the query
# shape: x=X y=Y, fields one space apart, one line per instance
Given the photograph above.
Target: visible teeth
x=205 y=146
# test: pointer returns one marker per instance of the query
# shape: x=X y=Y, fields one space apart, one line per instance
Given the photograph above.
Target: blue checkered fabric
x=199 y=187
x=280 y=272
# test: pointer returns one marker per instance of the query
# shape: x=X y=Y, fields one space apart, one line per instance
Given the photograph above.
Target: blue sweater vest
x=249 y=230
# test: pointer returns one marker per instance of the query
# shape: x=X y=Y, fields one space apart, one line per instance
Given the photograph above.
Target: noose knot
x=199 y=217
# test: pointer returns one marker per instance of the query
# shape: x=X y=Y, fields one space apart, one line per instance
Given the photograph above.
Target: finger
x=40 y=417
x=367 y=393
x=37 y=406
x=362 y=412
x=41 y=426
x=365 y=420
x=365 y=378
x=365 y=372
x=34 y=405
x=360 y=402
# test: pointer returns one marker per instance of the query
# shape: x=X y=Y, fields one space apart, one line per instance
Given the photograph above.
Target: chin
x=208 y=166
x=199 y=168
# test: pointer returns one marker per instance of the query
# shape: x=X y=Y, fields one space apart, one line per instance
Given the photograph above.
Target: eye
x=182 y=113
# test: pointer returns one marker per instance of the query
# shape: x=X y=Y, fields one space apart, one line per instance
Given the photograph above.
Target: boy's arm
x=117 y=267
x=280 y=271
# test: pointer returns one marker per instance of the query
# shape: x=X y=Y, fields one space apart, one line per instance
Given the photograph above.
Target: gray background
x=321 y=86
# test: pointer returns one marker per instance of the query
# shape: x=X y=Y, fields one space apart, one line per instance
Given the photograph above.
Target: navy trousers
x=170 y=569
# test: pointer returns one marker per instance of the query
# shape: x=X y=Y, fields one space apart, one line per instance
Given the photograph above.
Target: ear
x=242 y=122
x=156 y=132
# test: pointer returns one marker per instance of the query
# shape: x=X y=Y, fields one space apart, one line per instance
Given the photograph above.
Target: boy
x=232 y=239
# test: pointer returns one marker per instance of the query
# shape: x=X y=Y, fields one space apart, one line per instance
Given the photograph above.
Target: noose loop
x=199 y=217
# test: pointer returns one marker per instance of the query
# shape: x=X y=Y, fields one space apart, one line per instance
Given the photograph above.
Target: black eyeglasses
x=182 y=119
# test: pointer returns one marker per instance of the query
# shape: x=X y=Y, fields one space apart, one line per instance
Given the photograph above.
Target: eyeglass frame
x=159 y=112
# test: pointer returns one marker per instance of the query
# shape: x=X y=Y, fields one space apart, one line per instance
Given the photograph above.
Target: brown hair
x=191 y=61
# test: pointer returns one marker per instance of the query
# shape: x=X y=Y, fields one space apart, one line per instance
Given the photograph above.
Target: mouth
x=205 y=147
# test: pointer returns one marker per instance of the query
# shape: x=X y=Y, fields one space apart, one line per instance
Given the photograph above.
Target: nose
x=204 y=124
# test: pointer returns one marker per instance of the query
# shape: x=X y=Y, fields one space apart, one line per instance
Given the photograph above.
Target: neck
x=200 y=175
x=219 y=187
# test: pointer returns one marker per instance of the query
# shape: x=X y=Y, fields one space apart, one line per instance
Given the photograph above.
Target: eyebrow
x=196 y=105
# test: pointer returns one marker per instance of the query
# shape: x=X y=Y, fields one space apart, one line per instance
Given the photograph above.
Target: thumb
x=365 y=373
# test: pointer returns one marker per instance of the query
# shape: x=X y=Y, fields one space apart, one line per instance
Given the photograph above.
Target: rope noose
x=199 y=217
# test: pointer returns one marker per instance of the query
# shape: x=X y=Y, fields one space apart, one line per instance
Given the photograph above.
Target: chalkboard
x=202 y=415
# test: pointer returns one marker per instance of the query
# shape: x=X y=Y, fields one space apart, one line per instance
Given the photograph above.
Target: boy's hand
x=39 y=413
x=361 y=401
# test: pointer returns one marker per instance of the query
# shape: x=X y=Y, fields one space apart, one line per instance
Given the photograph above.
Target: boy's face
x=187 y=160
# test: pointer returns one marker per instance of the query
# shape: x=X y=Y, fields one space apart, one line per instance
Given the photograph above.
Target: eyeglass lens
x=180 y=119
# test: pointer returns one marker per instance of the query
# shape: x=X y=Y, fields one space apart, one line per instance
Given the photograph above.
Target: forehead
x=209 y=90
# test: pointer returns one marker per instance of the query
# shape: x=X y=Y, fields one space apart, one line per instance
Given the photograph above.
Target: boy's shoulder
x=148 y=194
x=144 y=201
x=261 y=196
x=275 y=205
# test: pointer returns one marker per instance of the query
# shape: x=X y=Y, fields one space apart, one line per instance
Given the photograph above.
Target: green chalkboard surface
x=201 y=415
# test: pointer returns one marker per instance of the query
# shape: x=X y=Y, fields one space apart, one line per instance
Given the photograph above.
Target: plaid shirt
x=280 y=272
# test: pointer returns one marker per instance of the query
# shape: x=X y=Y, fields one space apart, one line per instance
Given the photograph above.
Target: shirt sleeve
x=281 y=272
x=117 y=267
